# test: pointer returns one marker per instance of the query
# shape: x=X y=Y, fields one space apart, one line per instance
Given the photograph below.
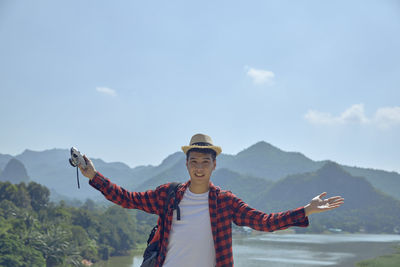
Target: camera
x=77 y=159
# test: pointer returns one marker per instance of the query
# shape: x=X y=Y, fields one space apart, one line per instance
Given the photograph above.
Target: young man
x=202 y=236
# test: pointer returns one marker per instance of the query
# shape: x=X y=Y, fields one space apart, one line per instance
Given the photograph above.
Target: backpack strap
x=172 y=188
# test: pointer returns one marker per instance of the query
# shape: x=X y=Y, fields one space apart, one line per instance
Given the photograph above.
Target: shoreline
x=373 y=247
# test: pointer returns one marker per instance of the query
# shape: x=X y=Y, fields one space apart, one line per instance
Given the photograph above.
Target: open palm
x=318 y=204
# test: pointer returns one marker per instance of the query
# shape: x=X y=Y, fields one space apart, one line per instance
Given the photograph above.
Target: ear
x=215 y=164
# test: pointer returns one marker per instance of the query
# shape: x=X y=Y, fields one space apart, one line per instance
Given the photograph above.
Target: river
x=295 y=250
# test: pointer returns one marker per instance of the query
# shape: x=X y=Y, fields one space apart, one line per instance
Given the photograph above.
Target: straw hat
x=201 y=141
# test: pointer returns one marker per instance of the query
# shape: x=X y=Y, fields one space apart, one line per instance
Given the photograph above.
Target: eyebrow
x=198 y=158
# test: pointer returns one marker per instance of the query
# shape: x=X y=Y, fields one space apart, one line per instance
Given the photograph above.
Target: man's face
x=200 y=166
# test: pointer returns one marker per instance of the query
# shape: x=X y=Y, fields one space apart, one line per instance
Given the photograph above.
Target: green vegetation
x=365 y=209
x=36 y=232
x=392 y=260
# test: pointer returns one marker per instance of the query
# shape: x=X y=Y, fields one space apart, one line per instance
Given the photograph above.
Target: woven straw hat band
x=201 y=141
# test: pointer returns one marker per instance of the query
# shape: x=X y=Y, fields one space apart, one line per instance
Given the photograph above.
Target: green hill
x=266 y=161
x=246 y=187
x=365 y=207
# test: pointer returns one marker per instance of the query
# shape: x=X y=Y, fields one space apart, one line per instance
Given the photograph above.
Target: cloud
x=106 y=90
x=387 y=117
x=260 y=76
x=384 y=117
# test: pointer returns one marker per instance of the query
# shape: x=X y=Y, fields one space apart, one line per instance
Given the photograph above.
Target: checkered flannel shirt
x=224 y=207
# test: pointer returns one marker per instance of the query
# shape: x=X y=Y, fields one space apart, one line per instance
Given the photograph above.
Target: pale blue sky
x=132 y=81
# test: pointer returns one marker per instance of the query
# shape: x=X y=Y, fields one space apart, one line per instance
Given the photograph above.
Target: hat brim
x=217 y=149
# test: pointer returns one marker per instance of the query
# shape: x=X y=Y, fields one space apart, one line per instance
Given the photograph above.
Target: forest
x=37 y=232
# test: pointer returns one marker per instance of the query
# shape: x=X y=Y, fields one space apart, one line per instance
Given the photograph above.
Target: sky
x=132 y=81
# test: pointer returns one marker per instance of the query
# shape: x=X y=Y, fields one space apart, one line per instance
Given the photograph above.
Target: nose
x=198 y=167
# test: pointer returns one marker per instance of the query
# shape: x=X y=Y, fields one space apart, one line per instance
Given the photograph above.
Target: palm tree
x=56 y=247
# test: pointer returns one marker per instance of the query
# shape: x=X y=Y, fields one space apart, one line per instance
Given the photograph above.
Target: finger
x=81 y=168
x=322 y=195
x=334 y=206
x=335 y=199
x=87 y=160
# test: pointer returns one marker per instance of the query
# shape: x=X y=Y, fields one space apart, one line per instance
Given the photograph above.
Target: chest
x=194 y=211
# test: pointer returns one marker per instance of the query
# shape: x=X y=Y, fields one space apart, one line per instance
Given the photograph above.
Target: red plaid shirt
x=224 y=207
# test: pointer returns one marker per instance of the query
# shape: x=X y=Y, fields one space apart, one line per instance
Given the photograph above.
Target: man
x=201 y=234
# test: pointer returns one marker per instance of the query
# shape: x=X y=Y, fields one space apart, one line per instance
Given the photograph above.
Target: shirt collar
x=185 y=186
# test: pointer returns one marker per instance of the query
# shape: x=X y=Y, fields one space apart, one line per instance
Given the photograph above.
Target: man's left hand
x=318 y=204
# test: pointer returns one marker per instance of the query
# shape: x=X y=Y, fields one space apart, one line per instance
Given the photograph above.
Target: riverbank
x=300 y=250
x=122 y=261
x=389 y=260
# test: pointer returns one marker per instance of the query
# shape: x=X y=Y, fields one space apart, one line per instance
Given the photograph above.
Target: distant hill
x=171 y=169
x=365 y=207
x=52 y=169
x=176 y=172
x=268 y=162
x=246 y=187
x=4 y=159
x=388 y=182
x=14 y=172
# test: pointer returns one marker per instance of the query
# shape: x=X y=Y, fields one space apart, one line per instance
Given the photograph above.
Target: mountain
x=4 y=159
x=169 y=170
x=388 y=182
x=14 y=172
x=266 y=161
x=175 y=173
x=52 y=169
x=246 y=187
x=365 y=207
x=261 y=160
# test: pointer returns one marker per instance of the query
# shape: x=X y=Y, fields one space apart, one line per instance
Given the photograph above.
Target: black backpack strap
x=172 y=188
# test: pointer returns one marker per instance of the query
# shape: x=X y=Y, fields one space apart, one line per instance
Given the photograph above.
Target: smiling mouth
x=199 y=175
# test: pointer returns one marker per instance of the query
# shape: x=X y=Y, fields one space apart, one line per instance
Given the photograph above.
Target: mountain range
x=261 y=160
x=262 y=175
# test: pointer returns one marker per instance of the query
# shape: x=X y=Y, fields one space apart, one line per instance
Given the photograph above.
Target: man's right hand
x=89 y=171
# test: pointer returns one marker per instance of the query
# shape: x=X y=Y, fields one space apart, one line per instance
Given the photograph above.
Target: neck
x=198 y=189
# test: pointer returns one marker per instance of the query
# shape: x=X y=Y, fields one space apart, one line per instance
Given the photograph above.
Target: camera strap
x=77 y=176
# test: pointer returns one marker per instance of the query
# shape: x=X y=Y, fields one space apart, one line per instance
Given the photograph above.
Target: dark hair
x=202 y=150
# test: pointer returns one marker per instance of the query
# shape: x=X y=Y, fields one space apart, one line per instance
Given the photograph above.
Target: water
x=295 y=250
x=310 y=250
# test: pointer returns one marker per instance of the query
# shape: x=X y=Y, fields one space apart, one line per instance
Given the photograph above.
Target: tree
x=39 y=195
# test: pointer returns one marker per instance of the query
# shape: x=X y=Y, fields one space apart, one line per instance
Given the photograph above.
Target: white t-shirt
x=191 y=242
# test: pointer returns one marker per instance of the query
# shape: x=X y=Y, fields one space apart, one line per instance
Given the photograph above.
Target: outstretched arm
x=243 y=215
x=148 y=201
x=318 y=204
